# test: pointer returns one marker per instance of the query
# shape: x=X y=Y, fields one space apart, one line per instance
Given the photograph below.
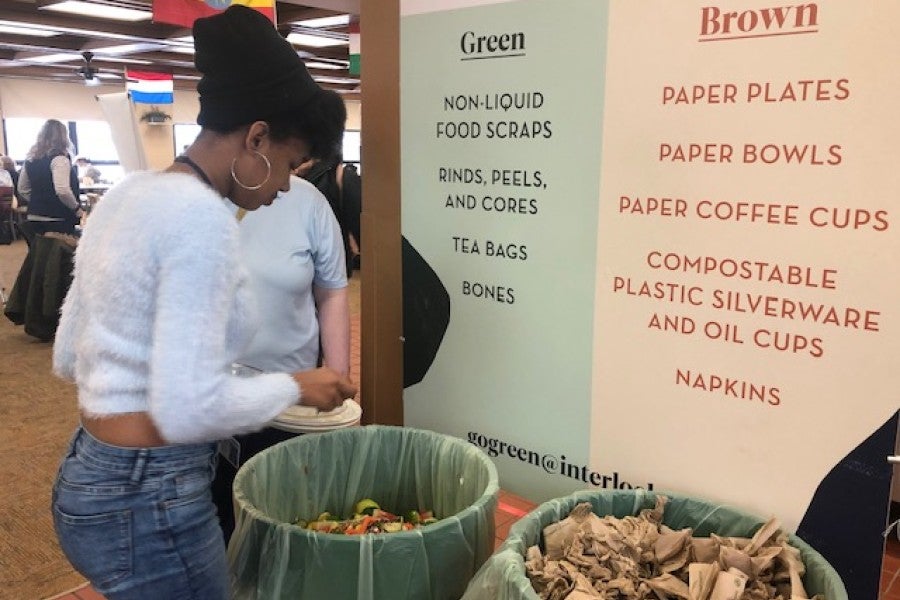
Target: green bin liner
x=503 y=577
x=400 y=468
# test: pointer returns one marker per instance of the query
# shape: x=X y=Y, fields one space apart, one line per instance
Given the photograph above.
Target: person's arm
x=61 y=168
x=24 y=186
x=333 y=313
x=192 y=394
x=330 y=286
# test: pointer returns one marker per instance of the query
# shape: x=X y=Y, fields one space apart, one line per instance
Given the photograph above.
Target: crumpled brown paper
x=638 y=558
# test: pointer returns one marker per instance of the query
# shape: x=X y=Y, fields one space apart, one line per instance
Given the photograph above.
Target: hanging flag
x=354 y=47
x=185 y=12
x=148 y=87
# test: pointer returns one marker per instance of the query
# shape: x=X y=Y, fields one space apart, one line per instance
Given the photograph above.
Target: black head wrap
x=249 y=72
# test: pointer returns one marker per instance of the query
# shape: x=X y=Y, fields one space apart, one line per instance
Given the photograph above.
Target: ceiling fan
x=87 y=72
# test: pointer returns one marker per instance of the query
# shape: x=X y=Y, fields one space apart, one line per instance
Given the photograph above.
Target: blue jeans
x=139 y=522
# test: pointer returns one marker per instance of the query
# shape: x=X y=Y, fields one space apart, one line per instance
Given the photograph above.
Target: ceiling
x=145 y=45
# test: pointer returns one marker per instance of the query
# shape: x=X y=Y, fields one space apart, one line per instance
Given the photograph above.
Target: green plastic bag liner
x=400 y=468
x=503 y=577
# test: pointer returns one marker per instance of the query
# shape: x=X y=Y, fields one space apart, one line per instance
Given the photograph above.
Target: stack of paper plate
x=306 y=419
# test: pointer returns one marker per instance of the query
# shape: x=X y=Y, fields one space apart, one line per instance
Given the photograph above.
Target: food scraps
x=368 y=517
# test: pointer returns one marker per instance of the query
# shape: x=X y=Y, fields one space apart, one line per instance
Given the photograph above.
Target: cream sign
x=718 y=23
x=709 y=192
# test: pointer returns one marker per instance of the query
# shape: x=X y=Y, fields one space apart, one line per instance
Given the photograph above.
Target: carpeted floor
x=37 y=416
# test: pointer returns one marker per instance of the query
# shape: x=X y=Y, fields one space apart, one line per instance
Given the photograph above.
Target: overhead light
x=103 y=11
x=316 y=41
x=334 y=21
x=50 y=58
x=17 y=29
x=93 y=81
x=314 y=64
x=335 y=80
x=127 y=48
x=183 y=44
x=131 y=61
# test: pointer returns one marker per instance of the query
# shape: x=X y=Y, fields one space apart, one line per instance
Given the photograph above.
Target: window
x=20 y=136
x=351 y=148
x=185 y=134
x=91 y=139
x=94 y=141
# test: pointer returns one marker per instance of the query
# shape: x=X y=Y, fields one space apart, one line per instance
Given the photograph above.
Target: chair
x=7 y=215
x=25 y=228
x=41 y=285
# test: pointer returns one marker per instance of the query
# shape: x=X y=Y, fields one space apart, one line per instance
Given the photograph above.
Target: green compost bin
x=503 y=577
x=400 y=468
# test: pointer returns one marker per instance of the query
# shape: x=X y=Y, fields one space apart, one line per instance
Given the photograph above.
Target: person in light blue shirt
x=293 y=252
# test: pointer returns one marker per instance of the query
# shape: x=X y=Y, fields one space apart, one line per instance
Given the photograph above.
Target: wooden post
x=381 y=321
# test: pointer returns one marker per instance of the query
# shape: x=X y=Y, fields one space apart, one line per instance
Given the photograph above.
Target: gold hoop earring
x=251 y=188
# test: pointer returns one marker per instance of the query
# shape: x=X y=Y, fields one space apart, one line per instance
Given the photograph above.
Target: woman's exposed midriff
x=128 y=430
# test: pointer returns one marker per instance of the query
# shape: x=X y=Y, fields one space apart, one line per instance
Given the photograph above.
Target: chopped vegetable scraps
x=368 y=518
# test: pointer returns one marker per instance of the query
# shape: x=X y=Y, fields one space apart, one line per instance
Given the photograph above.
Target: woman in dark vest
x=49 y=183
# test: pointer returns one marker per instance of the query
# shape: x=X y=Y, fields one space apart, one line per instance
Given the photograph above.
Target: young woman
x=159 y=310
x=48 y=182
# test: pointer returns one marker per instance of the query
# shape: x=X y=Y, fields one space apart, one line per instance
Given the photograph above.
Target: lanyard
x=187 y=161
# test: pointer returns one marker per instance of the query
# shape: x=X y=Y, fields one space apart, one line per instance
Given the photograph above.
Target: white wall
x=74 y=101
x=354 y=114
x=49 y=100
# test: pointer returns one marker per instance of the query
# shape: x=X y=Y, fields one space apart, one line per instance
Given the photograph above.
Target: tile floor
x=511 y=508
x=890 y=570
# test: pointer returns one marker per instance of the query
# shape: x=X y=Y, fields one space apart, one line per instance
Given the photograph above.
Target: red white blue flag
x=149 y=87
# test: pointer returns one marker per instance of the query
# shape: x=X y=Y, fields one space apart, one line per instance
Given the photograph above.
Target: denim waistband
x=140 y=460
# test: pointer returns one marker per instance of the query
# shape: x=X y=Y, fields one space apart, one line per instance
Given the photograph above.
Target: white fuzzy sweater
x=158 y=311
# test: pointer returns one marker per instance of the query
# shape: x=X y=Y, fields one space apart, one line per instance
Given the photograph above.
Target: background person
x=342 y=187
x=7 y=205
x=295 y=259
x=88 y=173
x=48 y=182
x=10 y=165
x=158 y=311
x=19 y=206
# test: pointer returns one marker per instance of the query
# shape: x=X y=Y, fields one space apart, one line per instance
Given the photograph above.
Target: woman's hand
x=324 y=388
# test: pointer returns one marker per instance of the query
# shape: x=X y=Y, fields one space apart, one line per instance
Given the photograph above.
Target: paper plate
x=306 y=419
